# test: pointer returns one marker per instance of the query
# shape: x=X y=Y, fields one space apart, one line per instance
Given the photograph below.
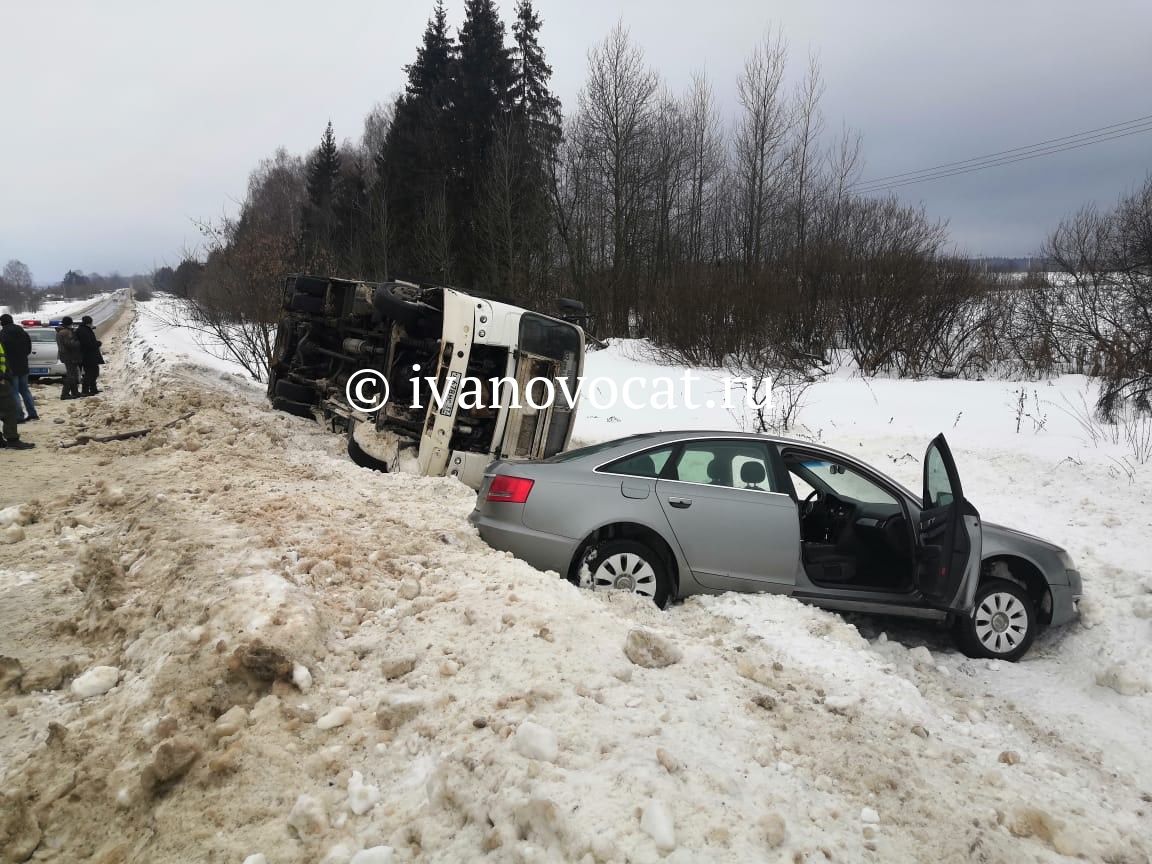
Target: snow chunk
x=362 y=797
x=656 y=821
x=11 y=534
x=1125 y=680
x=20 y=514
x=301 y=677
x=921 y=658
x=308 y=816
x=775 y=830
x=397 y=667
x=649 y=649
x=341 y=853
x=869 y=816
x=536 y=742
x=258 y=858
x=229 y=723
x=374 y=855
x=394 y=711
x=1142 y=607
x=336 y=717
x=95 y=682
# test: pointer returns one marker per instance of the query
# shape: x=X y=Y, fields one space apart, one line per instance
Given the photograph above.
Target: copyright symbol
x=367 y=390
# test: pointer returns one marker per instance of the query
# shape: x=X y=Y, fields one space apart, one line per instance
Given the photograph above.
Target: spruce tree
x=414 y=163
x=532 y=101
x=428 y=77
x=483 y=79
x=319 y=211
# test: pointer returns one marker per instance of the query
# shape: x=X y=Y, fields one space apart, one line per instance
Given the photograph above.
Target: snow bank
x=321 y=663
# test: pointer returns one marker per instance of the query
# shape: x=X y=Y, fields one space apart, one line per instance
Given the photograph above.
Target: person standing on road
x=68 y=352
x=9 y=429
x=90 y=356
x=17 y=347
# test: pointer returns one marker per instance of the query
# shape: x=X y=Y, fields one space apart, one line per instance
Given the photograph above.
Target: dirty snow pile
x=224 y=642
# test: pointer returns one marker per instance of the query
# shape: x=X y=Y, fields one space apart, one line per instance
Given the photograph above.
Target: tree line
x=734 y=241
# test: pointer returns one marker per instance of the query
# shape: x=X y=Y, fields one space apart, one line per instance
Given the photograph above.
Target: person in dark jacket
x=17 y=347
x=9 y=432
x=90 y=356
x=68 y=352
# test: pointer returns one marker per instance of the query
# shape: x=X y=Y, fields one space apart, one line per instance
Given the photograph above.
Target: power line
x=952 y=173
x=1090 y=132
x=1007 y=157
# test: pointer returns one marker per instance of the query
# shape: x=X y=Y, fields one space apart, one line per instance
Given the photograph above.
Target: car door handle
x=680 y=503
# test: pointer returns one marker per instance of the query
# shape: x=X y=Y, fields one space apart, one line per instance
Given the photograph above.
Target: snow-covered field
x=316 y=663
x=54 y=308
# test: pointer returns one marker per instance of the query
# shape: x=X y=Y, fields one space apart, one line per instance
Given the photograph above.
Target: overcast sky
x=125 y=121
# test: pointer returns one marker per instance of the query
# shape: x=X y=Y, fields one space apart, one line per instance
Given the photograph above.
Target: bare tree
x=1101 y=298
x=761 y=151
x=17 y=274
x=705 y=160
x=618 y=108
x=235 y=302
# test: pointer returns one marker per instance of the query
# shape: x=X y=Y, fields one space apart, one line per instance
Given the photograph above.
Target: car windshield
x=842 y=481
x=42 y=335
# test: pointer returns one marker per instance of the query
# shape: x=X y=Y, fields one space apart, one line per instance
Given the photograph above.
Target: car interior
x=854 y=532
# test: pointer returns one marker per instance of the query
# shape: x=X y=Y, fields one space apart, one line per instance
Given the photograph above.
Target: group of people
x=77 y=348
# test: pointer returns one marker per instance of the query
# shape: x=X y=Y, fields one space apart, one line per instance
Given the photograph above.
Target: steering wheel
x=810 y=502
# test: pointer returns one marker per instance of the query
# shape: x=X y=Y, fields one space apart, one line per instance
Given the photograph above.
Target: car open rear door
x=948 y=536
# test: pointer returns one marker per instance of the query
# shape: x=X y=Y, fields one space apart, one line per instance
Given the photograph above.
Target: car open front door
x=948 y=536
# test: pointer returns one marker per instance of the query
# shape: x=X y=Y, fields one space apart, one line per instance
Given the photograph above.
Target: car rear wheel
x=626 y=565
x=1003 y=622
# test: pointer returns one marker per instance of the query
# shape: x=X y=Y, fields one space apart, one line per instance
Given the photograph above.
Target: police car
x=43 y=362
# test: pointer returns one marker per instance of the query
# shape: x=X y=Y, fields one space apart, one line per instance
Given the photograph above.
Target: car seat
x=752 y=474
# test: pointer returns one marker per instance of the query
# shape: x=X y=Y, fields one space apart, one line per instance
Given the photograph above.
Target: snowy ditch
x=264 y=650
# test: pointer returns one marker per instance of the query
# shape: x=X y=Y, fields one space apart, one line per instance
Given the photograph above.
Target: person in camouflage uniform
x=69 y=353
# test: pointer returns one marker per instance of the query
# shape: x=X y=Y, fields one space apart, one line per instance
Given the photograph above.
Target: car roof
x=652 y=438
x=610 y=450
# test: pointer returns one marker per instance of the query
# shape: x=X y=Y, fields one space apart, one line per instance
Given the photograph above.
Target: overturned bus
x=418 y=344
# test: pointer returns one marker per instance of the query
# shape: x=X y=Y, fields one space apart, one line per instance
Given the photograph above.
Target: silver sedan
x=671 y=514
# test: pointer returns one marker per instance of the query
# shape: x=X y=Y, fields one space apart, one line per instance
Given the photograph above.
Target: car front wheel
x=1002 y=624
x=626 y=565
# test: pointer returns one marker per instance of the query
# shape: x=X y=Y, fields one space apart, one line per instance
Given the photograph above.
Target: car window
x=647 y=464
x=42 y=335
x=939 y=486
x=590 y=450
x=734 y=464
x=843 y=480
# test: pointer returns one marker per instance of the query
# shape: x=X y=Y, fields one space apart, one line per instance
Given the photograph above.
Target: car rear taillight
x=509 y=490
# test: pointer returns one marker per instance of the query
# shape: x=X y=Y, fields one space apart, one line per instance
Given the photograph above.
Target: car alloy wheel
x=1002 y=624
x=627 y=566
